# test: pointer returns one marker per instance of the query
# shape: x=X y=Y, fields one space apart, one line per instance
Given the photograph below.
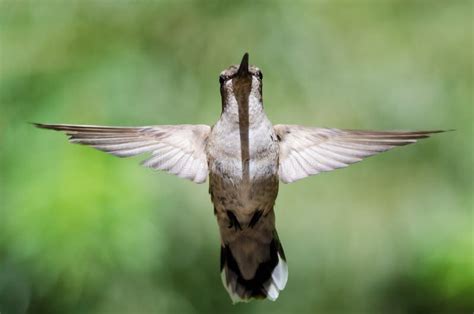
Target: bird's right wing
x=177 y=149
x=306 y=151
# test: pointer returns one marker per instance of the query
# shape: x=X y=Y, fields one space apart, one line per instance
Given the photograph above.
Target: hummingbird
x=245 y=157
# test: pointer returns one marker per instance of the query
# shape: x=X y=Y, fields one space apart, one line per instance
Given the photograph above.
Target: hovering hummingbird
x=245 y=157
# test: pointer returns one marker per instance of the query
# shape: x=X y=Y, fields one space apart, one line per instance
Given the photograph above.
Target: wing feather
x=306 y=151
x=178 y=149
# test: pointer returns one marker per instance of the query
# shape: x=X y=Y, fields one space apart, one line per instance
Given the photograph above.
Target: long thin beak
x=244 y=66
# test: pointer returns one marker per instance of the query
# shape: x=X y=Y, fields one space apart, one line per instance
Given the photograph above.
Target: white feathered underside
x=177 y=149
x=306 y=151
x=278 y=280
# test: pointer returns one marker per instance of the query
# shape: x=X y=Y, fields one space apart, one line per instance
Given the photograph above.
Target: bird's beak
x=244 y=66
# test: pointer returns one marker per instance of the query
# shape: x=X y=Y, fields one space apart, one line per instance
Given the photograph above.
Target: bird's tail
x=251 y=269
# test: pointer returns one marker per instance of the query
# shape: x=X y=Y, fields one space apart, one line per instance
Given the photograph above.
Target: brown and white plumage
x=244 y=156
x=177 y=149
x=306 y=151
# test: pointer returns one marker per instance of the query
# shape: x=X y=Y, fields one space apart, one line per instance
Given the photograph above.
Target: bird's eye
x=221 y=79
x=260 y=75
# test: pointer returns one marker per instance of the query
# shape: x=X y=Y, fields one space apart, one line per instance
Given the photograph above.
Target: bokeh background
x=85 y=232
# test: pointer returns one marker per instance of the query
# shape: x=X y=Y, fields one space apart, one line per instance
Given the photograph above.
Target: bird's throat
x=242 y=90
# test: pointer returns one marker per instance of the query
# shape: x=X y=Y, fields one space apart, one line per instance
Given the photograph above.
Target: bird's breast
x=234 y=154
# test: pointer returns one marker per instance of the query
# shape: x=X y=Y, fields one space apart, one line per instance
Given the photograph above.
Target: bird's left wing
x=306 y=151
x=177 y=149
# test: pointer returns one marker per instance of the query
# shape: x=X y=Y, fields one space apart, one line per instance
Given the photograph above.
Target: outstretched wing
x=177 y=149
x=306 y=151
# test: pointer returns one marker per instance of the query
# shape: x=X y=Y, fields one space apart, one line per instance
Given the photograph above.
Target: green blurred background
x=85 y=232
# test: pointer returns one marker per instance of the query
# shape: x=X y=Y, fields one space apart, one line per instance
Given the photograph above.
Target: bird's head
x=241 y=85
